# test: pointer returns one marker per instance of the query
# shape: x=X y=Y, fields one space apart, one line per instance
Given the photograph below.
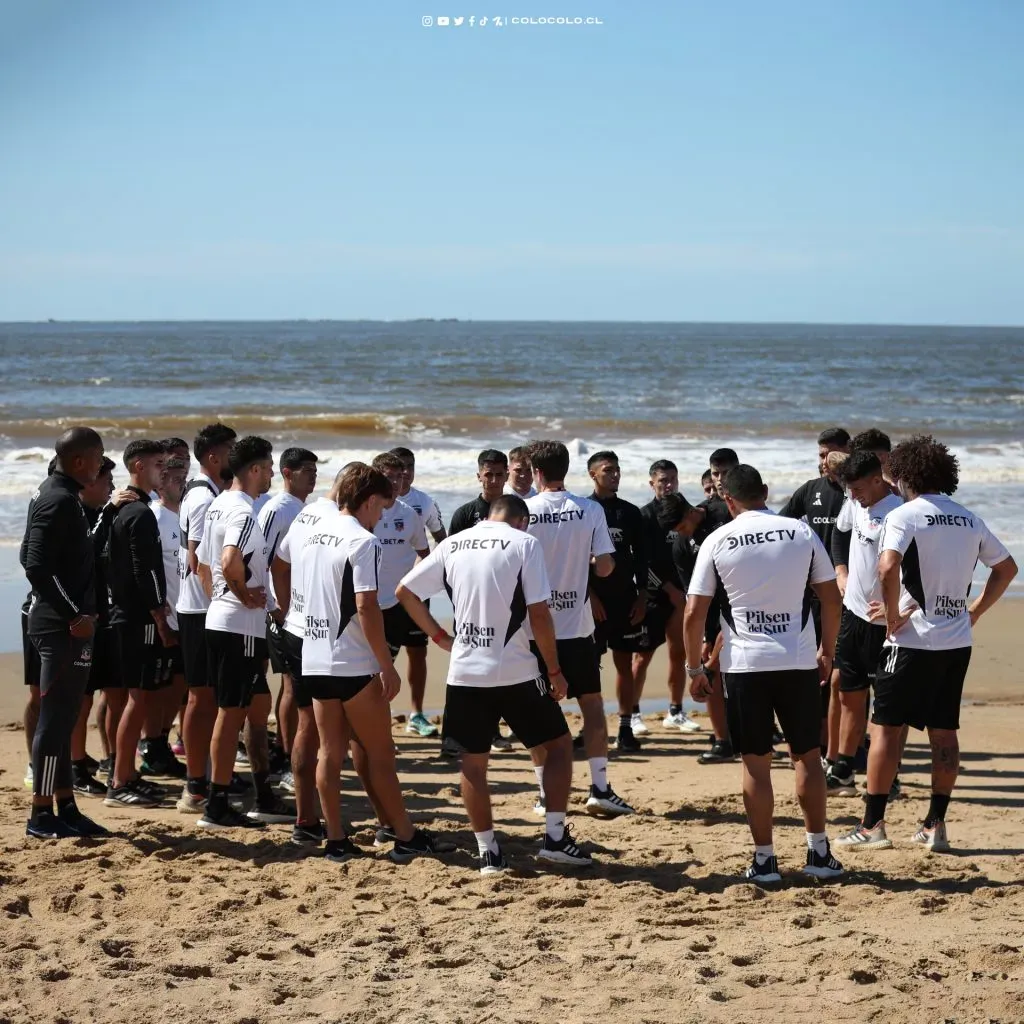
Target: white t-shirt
x=570 y=529
x=230 y=523
x=275 y=517
x=170 y=544
x=941 y=542
x=531 y=493
x=426 y=507
x=257 y=505
x=493 y=572
x=764 y=563
x=401 y=534
x=863 y=585
x=338 y=560
x=290 y=551
x=191 y=523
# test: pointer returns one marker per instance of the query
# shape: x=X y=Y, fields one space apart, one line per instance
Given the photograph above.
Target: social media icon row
x=444 y=20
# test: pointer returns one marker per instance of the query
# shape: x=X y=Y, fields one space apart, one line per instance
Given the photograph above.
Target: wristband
x=693 y=673
x=554 y=672
x=439 y=636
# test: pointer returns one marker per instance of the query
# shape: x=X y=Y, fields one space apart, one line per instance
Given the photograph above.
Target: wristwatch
x=692 y=673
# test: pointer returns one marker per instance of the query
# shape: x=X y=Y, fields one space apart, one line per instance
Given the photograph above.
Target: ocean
x=447 y=389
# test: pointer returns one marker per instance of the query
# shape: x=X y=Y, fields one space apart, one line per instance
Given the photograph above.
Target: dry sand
x=167 y=924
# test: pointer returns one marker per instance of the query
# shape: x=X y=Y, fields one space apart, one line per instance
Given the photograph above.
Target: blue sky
x=683 y=161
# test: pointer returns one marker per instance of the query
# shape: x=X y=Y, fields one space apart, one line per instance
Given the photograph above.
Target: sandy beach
x=164 y=921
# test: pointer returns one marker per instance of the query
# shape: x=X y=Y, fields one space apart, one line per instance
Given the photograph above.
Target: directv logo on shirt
x=950 y=607
x=741 y=540
x=472 y=635
x=562 y=600
x=556 y=517
x=771 y=623
x=940 y=520
x=317 y=629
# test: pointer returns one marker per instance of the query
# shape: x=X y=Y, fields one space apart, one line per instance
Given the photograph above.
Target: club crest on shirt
x=399 y=524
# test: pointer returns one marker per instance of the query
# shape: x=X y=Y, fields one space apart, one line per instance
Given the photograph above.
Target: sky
x=749 y=161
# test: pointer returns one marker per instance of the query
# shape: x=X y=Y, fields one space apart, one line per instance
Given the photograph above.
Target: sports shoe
x=228 y=818
x=420 y=725
x=287 y=782
x=862 y=838
x=311 y=834
x=540 y=808
x=822 y=866
x=451 y=748
x=933 y=839
x=564 y=850
x=838 y=785
x=273 y=812
x=85 y=783
x=422 y=844
x=238 y=786
x=765 y=873
x=638 y=725
x=242 y=758
x=341 y=850
x=82 y=825
x=720 y=752
x=157 y=759
x=607 y=804
x=189 y=803
x=29 y=781
x=131 y=794
x=178 y=747
x=278 y=764
x=628 y=743
x=681 y=721
x=104 y=767
x=48 y=826
x=500 y=744
x=151 y=789
x=92 y=766
x=493 y=862
x=579 y=741
x=384 y=836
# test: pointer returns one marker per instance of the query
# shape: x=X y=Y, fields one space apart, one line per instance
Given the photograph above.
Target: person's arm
x=232 y=565
x=999 y=578
x=206 y=579
x=147 y=562
x=602 y=550
x=841 y=556
x=693 y=640
x=434 y=522
x=371 y=621
x=831 y=611
x=422 y=582
x=543 y=628
x=638 y=550
x=281 y=574
x=420 y=614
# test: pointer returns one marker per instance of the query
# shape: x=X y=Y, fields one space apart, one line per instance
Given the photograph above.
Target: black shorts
x=754 y=699
x=30 y=655
x=342 y=688
x=400 y=631
x=106 y=666
x=192 y=641
x=652 y=629
x=278 y=663
x=141 y=656
x=857 y=651
x=290 y=647
x=472 y=713
x=578 y=660
x=920 y=688
x=617 y=633
x=235 y=666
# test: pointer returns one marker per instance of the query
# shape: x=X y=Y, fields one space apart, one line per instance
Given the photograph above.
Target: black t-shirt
x=465 y=516
x=626 y=528
x=684 y=558
x=661 y=568
x=716 y=514
x=818 y=501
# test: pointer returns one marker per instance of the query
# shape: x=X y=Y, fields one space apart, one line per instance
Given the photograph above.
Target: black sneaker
x=628 y=743
x=238 y=786
x=308 y=835
x=823 y=866
x=103 y=768
x=384 y=836
x=607 y=804
x=451 y=748
x=151 y=789
x=273 y=812
x=422 y=844
x=564 y=851
x=131 y=794
x=83 y=782
x=226 y=819
x=840 y=785
x=81 y=824
x=47 y=825
x=157 y=759
x=280 y=763
x=764 y=874
x=341 y=850
x=721 y=752
x=90 y=764
x=493 y=862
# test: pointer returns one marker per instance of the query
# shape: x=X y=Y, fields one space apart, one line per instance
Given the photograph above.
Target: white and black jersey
x=571 y=530
x=199 y=494
x=492 y=572
x=308 y=521
x=170 y=546
x=864 y=526
x=531 y=493
x=941 y=542
x=761 y=564
x=230 y=523
x=338 y=560
x=275 y=517
x=401 y=534
x=425 y=505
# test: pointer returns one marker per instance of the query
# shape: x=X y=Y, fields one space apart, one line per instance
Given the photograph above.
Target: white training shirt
x=338 y=560
x=531 y=493
x=257 y=505
x=941 y=542
x=230 y=523
x=275 y=517
x=199 y=494
x=764 y=563
x=401 y=534
x=170 y=544
x=426 y=507
x=493 y=572
x=290 y=550
x=570 y=529
x=865 y=524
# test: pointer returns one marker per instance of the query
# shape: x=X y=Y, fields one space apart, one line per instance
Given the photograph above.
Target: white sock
x=538 y=770
x=599 y=772
x=818 y=842
x=764 y=853
x=486 y=842
x=555 y=824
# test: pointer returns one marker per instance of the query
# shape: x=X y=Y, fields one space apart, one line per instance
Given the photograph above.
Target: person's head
x=550 y=461
x=393 y=468
x=664 y=478
x=834 y=439
x=251 y=463
x=96 y=494
x=80 y=454
x=172 y=486
x=177 y=448
x=492 y=472
x=211 y=449
x=144 y=461
x=922 y=465
x=298 y=471
x=861 y=474
x=674 y=512
x=332 y=494
x=520 y=470
x=364 y=492
x=409 y=461
x=719 y=463
x=707 y=484
x=743 y=489
x=872 y=440
x=511 y=509
x=603 y=468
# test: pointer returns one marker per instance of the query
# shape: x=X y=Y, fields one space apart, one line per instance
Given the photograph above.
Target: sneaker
x=564 y=850
x=82 y=825
x=765 y=873
x=499 y=744
x=862 y=838
x=540 y=808
x=384 y=836
x=92 y=766
x=131 y=794
x=279 y=763
x=48 y=826
x=228 y=818
x=341 y=850
x=837 y=785
x=721 y=752
x=242 y=758
x=822 y=866
x=422 y=844
x=682 y=721
x=104 y=767
x=85 y=783
x=160 y=761
x=287 y=782
x=607 y=804
x=29 y=781
x=189 y=803
x=493 y=863
x=273 y=812
x=420 y=725
x=628 y=743
x=933 y=839
x=638 y=725
x=308 y=835
x=451 y=748
x=178 y=747
x=151 y=789
x=238 y=786
x=578 y=741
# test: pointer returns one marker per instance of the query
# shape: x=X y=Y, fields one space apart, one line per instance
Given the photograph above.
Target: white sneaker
x=639 y=728
x=287 y=782
x=607 y=804
x=933 y=839
x=29 y=779
x=540 y=808
x=683 y=722
x=862 y=838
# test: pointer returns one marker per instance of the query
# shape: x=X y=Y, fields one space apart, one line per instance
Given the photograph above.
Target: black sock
x=844 y=766
x=65 y=804
x=675 y=709
x=636 y=709
x=625 y=723
x=217 y=803
x=197 y=786
x=937 y=809
x=874 y=812
x=264 y=794
x=40 y=811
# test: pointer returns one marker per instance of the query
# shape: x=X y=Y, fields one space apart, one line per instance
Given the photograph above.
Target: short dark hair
x=663 y=466
x=175 y=463
x=519 y=454
x=862 y=463
x=404 y=453
x=141 y=449
x=508 y=506
x=871 y=440
x=925 y=465
x=550 y=459
x=834 y=436
x=247 y=451
x=292 y=458
x=744 y=484
x=388 y=460
x=106 y=466
x=723 y=457
x=361 y=482
x=170 y=443
x=210 y=437
x=671 y=510
x=705 y=476
x=77 y=441
x=605 y=456
x=491 y=456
